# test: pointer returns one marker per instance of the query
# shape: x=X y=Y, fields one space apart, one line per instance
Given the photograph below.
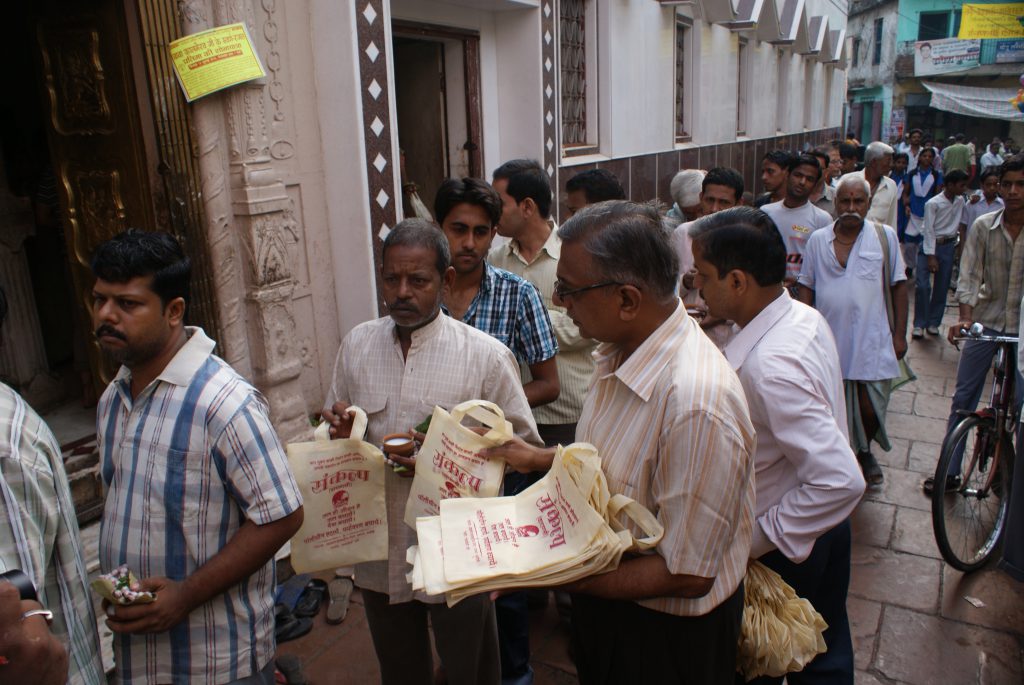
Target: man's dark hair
x=628 y=243
x=527 y=179
x=806 y=160
x=3 y=307
x=135 y=253
x=901 y=155
x=955 y=176
x=780 y=158
x=419 y=233
x=915 y=130
x=848 y=151
x=472 y=191
x=742 y=238
x=1014 y=163
x=821 y=153
x=989 y=173
x=960 y=137
x=724 y=176
x=597 y=185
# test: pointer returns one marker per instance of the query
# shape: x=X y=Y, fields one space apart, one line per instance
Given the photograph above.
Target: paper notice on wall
x=213 y=60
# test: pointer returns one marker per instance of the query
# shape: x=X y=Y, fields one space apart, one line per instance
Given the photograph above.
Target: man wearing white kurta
x=843 y=276
x=807 y=479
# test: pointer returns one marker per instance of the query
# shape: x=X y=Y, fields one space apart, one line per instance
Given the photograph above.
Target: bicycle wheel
x=969 y=520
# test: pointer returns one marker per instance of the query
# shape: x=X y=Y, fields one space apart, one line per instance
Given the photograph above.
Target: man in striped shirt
x=668 y=416
x=39 y=535
x=199 y=494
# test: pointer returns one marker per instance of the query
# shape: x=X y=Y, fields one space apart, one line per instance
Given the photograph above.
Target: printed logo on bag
x=340 y=499
x=339 y=479
x=460 y=477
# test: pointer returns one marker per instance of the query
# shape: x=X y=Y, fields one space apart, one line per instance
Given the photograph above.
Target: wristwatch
x=45 y=613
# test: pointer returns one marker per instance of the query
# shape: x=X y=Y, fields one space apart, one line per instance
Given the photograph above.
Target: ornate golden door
x=122 y=157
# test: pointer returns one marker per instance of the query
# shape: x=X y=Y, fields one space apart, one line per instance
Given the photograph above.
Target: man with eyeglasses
x=988 y=291
x=668 y=416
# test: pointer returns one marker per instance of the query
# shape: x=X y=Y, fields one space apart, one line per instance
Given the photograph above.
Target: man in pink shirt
x=808 y=480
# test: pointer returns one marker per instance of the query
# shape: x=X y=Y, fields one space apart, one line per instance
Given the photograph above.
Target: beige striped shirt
x=991 y=273
x=448 y=363
x=673 y=430
x=574 y=360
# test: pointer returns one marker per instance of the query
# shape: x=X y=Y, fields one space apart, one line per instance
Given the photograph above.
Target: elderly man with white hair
x=884 y=197
x=853 y=274
x=685 y=190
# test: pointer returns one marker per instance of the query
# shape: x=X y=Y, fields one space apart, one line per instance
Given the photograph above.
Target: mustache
x=400 y=305
x=846 y=214
x=109 y=330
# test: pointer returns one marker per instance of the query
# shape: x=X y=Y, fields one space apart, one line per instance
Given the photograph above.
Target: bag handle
x=322 y=431
x=886 y=276
x=641 y=516
x=487 y=413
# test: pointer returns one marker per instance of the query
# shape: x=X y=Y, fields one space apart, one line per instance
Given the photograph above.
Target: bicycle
x=970 y=494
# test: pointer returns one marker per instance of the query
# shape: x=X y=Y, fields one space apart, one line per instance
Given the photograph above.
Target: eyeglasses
x=561 y=293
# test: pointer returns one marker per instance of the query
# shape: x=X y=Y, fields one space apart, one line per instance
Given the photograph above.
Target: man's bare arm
x=642 y=577
x=544 y=387
x=805 y=295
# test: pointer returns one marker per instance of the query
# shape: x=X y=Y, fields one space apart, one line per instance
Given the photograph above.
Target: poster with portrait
x=945 y=56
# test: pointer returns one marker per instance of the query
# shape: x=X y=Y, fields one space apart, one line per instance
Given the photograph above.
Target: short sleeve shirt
x=852 y=300
x=509 y=308
x=796 y=225
x=185 y=464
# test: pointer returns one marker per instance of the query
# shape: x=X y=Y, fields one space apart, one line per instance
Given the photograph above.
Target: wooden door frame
x=471 y=67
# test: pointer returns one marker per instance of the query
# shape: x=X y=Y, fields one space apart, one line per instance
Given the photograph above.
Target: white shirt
x=796 y=224
x=851 y=299
x=941 y=219
x=972 y=212
x=885 y=201
x=990 y=160
x=807 y=480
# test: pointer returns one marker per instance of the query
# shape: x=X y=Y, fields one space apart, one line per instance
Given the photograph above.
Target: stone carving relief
x=273 y=58
x=274 y=233
x=74 y=81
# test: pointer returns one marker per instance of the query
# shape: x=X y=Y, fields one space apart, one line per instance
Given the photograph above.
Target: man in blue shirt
x=493 y=300
x=509 y=308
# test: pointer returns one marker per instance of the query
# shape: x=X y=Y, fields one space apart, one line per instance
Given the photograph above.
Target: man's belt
x=946 y=239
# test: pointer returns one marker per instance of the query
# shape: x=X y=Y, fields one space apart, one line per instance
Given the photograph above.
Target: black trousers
x=619 y=641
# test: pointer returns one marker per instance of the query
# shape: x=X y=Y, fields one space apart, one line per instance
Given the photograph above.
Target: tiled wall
x=647 y=177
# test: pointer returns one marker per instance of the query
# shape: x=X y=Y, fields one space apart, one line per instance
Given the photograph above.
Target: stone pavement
x=910 y=621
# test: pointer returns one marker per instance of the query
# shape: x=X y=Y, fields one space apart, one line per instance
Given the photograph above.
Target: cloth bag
x=781 y=632
x=342 y=485
x=449 y=463
x=563 y=527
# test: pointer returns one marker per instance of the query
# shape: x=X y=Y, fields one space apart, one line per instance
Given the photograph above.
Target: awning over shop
x=989 y=103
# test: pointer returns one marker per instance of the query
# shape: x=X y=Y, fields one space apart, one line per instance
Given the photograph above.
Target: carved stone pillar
x=249 y=224
x=22 y=353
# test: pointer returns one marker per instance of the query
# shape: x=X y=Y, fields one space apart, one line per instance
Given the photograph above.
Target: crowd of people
x=731 y=358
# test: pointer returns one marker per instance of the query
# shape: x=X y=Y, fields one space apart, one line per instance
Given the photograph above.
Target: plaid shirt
x=509 y=308
x=185 y=464
x=39 y=533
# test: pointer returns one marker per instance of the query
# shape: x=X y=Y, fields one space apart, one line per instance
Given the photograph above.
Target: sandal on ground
x=311 y=598
x=339 y=593
x=288 y=626
x=869 y=466
x=953 y=482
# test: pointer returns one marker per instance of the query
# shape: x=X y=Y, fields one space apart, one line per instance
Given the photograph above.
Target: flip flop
x=340 y=592
x=311 y=598
x=289 y=591
x=288 y=626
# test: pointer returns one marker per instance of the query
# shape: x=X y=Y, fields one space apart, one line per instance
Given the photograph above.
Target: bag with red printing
x=449 y=463
x=342 y=485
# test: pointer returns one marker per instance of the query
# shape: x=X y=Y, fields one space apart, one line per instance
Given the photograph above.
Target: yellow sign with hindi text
x=1000 y=20
x=215 y=59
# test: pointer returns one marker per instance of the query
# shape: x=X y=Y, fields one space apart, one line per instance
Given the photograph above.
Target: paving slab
x=899 y=487
x=872 y=523
x=1002 y=596
x=933 y=406
x=924 y=456
x=890 y=577
x=914 y=534
x=920 y=649
x=865 y=618
x=911 y=426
